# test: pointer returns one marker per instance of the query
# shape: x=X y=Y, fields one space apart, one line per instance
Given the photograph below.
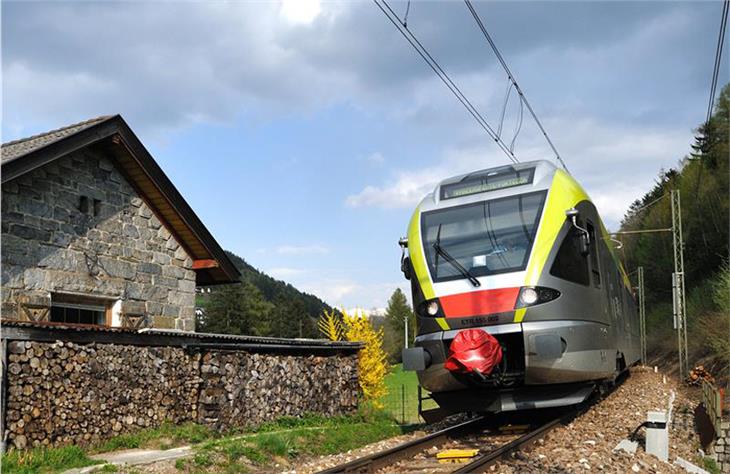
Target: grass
x=402 y=398
x=288 y=438
x=45 y=460
x=165 y=436
x=278 y=441
x=710 y=465
x=107 y=468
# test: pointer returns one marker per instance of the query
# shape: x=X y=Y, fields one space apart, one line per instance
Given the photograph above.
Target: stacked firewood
x=65 y=393
x=242 y=389
x=698 y=374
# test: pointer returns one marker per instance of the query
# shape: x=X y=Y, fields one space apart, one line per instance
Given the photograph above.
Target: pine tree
x=397 y=312
x=235 y=309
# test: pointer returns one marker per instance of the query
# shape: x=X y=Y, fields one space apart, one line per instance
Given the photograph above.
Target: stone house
x=94 y=233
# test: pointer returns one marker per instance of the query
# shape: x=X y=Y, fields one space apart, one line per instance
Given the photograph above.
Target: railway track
x=478 y=433
x=484 y=433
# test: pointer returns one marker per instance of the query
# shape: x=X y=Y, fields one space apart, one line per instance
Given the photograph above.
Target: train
x=520 y=296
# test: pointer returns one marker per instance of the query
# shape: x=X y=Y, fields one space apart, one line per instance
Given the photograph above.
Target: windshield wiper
x=455 y=263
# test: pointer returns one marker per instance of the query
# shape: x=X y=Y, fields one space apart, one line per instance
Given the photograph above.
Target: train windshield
x=486 y=237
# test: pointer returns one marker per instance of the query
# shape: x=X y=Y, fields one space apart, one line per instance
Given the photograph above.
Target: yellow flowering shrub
x=372 y=364
x=330 y=325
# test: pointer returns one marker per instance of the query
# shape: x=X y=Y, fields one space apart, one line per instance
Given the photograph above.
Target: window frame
x=483 y=178
x=572 y=232
x=594 y=257
x=82 y=302
x=528 y=252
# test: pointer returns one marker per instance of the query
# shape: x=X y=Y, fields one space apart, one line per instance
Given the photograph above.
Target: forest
x=703 y=182
x=260 y=305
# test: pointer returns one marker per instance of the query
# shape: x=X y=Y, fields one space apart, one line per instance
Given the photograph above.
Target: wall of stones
x=116 y=248
x=66 y=393
x=720 y=449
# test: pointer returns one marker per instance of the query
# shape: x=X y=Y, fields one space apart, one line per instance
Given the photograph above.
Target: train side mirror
x=405 y=260
x=585 y=243
x=585 y=239
x=405 y=267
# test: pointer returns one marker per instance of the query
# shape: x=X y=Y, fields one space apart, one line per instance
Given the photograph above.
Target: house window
x=84 y=204
x=88 y=206
x=73 y=309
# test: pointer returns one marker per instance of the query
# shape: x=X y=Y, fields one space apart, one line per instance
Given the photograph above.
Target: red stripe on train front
x=481 y=302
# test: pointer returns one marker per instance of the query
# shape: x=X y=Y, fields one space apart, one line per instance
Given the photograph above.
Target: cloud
x=349 y=292
x=302 y=250
x=333 y=291
x=409 y=187
x=300 y=11
x=616 y=164
x=376 y=158
x=283 y=273
x=271 y=59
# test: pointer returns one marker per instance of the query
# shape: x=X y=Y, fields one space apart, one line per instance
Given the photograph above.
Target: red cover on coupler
x=474 y=350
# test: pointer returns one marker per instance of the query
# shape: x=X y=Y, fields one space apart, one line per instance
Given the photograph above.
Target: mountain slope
x=259 y=306
x=274 y=290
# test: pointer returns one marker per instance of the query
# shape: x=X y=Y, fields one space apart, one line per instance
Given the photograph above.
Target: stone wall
x=66 y=393
x=110 y=245
x=720 y=449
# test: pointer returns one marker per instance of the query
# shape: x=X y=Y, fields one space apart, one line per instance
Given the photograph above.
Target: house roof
x=112 y=136
x=17 y=148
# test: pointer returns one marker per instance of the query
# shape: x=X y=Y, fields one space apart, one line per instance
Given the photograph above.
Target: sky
x=304 y=133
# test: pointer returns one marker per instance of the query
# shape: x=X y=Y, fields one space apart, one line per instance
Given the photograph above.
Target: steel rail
x=483 y=461
x=373 y=462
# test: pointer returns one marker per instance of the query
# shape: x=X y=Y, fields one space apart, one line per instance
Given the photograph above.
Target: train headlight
x=528 y=296
x=532 y=295
x=430 y=309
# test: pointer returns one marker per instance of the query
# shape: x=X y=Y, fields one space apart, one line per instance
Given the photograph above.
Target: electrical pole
x=679 y=308
x=642 y=315
x=680 y=311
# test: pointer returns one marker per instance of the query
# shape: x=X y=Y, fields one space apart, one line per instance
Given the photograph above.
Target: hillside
x=260 y=305
x=274 y=290
x=702 y=180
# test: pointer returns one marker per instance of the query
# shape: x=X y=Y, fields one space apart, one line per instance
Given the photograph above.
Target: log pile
x=238 y=391
x=698 y=374
x=64 y=393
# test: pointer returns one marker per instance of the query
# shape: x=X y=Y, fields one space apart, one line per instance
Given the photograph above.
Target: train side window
x=570 y=264
x=595 y=269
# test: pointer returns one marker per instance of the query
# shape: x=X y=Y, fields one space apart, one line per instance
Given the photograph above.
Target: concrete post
x=657 y=435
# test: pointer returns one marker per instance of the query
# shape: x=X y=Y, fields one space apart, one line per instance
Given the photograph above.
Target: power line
x=713 y=83
x=512 y=78
x=438 y=70
x=718 y=57
x=650 y=204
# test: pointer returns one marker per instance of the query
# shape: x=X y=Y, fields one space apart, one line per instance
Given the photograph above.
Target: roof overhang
x=114 y=137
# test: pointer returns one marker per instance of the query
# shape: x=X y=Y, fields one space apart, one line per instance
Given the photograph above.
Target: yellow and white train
x=521 y=300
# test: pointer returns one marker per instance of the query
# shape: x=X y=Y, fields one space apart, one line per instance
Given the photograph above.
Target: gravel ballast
x=588 y=442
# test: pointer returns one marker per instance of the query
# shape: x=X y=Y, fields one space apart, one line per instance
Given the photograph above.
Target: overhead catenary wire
x=514 y=81
x=504 y=108
x=438 y=70
x=647 y=206
x=713 y=83
x=718 y=57
x=518 y=125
